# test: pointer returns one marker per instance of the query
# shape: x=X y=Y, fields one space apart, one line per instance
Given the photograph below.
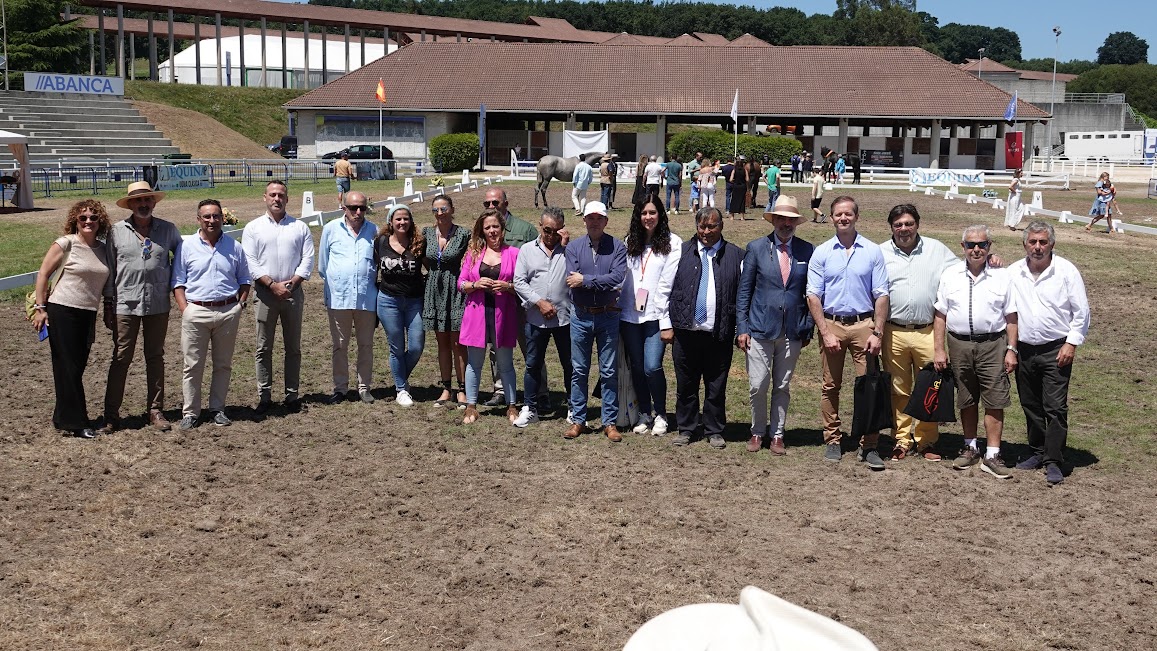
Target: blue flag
x=1010 y=112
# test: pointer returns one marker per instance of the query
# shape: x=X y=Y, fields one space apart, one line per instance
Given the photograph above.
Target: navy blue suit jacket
x=764 y=307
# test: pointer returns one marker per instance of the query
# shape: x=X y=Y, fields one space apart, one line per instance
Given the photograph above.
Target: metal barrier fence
x=93 y=176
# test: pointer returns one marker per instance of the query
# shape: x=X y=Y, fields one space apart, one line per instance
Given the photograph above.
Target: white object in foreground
x=761 y=622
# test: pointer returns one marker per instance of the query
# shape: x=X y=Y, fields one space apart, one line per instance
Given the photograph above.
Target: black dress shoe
x=293 y=406
x=85 y=433
x=336 y=398
x=262 y=407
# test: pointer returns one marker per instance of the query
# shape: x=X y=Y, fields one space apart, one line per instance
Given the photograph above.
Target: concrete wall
x=1078 y=117
x=413 y=145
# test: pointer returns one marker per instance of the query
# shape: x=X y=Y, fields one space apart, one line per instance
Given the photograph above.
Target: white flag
x=735 y=107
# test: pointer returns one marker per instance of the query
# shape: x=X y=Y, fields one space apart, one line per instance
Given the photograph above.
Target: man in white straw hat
x=136 y=300
x=772 y=319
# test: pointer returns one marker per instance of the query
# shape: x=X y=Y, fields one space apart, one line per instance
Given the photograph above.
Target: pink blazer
x=473 y=331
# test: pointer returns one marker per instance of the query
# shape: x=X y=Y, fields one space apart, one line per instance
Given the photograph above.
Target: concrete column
x=197 y=48
x=264 y=60
x=362 y=41
x=305 y=28
x=661 y=135
x=132 y=56
x=423 y=36
x=324 y=57
x=92 y=53
x=1029 y=129
x=217 y=43
x=284 y=55
x=100 y=30
x=172 y=52
x=934 y=145
x=842 y=143
x=458 y=37
x=751 y=127
x=121 y=41
x=974 y=131
x=999 y=161
x=570 y=122
x=241 y=53
x=152 y=50
x=347 y=47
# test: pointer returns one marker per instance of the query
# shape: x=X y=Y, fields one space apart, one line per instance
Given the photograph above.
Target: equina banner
x=73 y=84
x=921 y=176
x=183 y=177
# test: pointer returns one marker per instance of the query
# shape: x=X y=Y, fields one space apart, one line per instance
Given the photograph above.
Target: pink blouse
x=473 y=331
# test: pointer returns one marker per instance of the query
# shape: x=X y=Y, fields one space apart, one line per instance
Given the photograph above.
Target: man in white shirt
x=654 y=172
x=1053 y=315
x=279 y=250
x=974 y=304
x=583 y=175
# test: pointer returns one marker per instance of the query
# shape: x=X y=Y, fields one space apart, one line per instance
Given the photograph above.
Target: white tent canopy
x=293 y=60
x=19 y=146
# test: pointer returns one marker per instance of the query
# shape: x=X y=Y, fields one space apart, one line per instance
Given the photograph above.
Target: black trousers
x=70 y=335
x=699 y=358
x=1044 y=395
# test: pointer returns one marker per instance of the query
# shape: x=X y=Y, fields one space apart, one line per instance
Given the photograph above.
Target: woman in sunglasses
x=442 y=306
x=68 y=292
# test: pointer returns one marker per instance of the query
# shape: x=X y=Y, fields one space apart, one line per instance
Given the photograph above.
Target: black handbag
x=872 y=400
x=934 y=396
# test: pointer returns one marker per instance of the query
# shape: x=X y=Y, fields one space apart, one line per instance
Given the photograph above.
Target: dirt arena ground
x=373 y=526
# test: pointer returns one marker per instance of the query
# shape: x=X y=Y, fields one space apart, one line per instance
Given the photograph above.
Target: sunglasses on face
x=355 y=208
x=546 y=230
x=491 y=204
x=88 y=218
x=972 y=245
x=441 y=210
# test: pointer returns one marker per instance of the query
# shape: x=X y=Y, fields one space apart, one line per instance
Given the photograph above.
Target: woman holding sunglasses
x=66 y=311
x=442 y=306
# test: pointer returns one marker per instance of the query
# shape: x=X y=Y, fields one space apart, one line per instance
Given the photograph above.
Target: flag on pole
x=381 y=92
x=1010 y=112
x=735 y=107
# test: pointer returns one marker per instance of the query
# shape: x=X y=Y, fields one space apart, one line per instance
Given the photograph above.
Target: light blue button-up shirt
x=346 y=263
x=208 y=272
x=847 y=284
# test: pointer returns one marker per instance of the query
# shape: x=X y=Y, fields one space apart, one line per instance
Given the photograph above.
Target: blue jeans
x=401 y=318
x=772 y=196
x=605 y=193
x=537 y=339
x=475 y=358
x=601 y=330
x=645 y=351
x=677 y=190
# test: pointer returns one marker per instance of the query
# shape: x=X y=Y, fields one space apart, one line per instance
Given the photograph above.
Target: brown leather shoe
x=158 y=421
x=574 y=431
x=755 y=443
x=777 y=447
x=613 y=433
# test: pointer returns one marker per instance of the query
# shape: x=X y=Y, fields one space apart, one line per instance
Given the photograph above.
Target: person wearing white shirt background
x=653 y=253
x=974 y=304
x=1053 y=314
x=279 y=250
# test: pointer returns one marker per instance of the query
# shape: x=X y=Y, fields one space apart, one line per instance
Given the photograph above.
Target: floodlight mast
x=1053 y=94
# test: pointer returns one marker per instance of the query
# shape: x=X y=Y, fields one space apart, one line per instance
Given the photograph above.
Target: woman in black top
x=738 y=182
x=399 y=254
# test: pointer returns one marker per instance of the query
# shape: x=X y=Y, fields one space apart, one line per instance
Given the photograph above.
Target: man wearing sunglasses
x=136 y=300
x=279 y=250
x=518 y=232
x=975 y=305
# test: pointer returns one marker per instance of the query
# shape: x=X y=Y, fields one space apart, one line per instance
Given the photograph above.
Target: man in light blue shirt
x=847 y=294
x=583 y=175
x=210 y=284
x=346 y=263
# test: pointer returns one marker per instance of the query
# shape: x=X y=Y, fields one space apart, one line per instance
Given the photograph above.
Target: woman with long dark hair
x=67 y=311
x=399 y=255
x=491 y=314
x=442 y=306
x=640 y=193
x=644 y=325
x=738 y=183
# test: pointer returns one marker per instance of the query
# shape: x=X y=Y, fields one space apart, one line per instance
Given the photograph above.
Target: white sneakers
x=525 y=417
x=658 y=427
x=404 y=399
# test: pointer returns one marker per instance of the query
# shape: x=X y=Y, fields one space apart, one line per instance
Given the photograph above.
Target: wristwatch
x=877 y=334
x=1013 y=349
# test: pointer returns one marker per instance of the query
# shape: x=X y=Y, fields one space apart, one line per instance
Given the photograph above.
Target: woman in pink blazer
x=491 y=314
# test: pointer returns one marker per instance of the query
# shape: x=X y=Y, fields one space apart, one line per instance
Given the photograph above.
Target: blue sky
x=1083 y=27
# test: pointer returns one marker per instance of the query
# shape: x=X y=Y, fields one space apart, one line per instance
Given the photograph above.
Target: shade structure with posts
x=18 y=144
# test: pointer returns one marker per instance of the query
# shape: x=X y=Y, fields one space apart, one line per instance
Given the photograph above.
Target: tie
x=784 y=263
x=701 y=297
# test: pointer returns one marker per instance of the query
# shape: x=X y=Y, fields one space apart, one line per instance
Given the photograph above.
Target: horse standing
x=557 y=167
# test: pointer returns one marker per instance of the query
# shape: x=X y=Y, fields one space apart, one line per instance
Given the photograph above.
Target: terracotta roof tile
x=888 y=82
x=1038 y=75
x=972 y=65
x=747 y=40
x=622 y=39
x=710 y=39
x=685 y=39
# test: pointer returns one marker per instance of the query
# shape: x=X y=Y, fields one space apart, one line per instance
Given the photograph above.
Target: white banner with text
x=73 y=84
x=964 y=178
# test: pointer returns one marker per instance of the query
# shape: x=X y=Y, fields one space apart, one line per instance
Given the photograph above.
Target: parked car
x=287 y=148
x=361 y=152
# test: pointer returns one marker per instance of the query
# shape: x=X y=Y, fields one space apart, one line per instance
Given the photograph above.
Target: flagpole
x=381 y=120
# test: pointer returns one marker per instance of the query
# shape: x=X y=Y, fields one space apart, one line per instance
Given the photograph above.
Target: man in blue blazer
x=702 y=310
x=772 y=319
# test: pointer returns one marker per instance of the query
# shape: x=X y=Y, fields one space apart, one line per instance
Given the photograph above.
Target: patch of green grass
x=255 y=113
x=22 y=246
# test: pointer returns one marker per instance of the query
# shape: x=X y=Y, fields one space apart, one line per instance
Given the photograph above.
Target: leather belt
x=599 y=309
x=850 y=319
x=228 y=301
x=981 y=338
x=909 y=326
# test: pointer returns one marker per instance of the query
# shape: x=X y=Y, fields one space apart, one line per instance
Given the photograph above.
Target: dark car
x=361 y=152
x=287 y=148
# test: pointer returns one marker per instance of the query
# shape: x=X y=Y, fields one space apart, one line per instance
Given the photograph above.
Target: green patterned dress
x=443 y=304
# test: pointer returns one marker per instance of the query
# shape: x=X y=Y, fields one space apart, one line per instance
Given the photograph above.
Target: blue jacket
x=764 y=308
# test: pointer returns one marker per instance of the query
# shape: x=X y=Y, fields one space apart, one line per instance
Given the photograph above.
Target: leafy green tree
x=39 y=41
x=958 y=42
x=1138 y=82
x=1124 y=48
x=1074 y=67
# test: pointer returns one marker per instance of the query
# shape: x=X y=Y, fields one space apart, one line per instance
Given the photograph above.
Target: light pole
x=4 y=24
x=1053 y=95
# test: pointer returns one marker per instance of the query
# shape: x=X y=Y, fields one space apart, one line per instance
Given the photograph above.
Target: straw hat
x=785 y=207
x=139 y=189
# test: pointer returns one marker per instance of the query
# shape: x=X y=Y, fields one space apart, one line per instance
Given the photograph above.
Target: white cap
x=595 y=208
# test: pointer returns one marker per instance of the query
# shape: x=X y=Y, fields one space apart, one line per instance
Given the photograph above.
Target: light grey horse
x=557 y=167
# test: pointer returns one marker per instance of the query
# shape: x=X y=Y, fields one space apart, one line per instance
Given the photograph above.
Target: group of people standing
x=504 y=283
